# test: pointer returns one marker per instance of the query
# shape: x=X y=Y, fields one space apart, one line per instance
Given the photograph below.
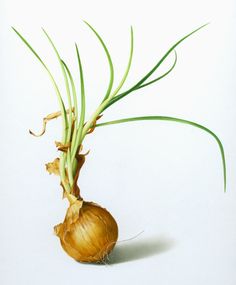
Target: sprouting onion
x=89 y=232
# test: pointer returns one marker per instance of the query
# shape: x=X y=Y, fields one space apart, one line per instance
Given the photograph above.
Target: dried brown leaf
x=53 y=167
x=47 y=119
x=62 y=147
x=80 y=161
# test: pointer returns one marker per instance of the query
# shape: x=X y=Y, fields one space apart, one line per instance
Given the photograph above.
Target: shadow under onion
x=140 y=249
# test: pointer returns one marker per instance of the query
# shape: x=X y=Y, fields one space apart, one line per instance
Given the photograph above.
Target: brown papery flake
x=53 y=167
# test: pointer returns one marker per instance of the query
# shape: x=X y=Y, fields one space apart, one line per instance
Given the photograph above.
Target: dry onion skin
x=89 y=232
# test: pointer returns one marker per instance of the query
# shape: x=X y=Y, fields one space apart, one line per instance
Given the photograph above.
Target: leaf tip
x=203 y=26
x=86 y=22
x=225 y=187
x=44 y=31
x=15 y=30
x=33 y=134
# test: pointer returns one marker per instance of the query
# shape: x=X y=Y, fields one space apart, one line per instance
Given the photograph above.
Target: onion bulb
x=88 y=233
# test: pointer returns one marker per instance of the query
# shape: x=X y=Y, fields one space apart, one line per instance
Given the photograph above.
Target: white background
x=161 y=178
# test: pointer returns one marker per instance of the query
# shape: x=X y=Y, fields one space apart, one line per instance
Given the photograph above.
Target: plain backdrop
x=159 y=178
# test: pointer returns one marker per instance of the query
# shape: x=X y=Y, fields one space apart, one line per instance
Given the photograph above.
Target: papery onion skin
x=88 y=233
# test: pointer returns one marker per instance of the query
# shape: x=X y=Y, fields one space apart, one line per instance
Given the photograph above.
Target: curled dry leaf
x=62 y=147
x=80 y=149
x=47 y=119
x=53 y=167
x=75 y=189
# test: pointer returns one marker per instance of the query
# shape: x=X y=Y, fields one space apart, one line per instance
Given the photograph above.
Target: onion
x=88 y=233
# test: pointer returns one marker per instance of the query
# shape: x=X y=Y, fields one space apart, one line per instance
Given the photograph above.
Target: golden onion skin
x=88 y=233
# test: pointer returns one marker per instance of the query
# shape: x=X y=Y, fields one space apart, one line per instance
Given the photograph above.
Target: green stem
x=160 y=77
x=61 y=105
x=74 y=98
x=66 y=85
x=128 y=66
x=82 y=111
x=65 y=157
x=178 y=120
x=140 y=84
x=93 y=118
x=109 y=88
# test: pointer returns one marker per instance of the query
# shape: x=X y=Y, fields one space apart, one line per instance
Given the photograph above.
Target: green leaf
x=128 y=65
x=30 y=47
x=73 y=89
x=162 y=76
x=166 y=55
x=61 y=103
x=141 y=81
x=62 y=109
x=72 y=84
x=172 y=119
x=82 y=110
x=108 y=58
x=68 y=135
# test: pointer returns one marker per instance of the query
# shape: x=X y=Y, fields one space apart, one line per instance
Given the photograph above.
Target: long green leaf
x=108 y=58
x=74 y=101
x=75 y=122
x=162 y=76
x=65 y=157
x=128 y=65
x=82 y=110
x=73 y=89
x=166 y=55
x=66 y=84
x=172 y=119
x=30 y=47
x=141 y=81
x=61 y=103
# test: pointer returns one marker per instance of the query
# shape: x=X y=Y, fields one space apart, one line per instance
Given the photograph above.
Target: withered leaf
x=47 y=119
x=53 y=167
x=62 y=147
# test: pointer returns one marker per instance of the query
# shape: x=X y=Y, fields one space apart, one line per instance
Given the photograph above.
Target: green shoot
x=127 y=68
x=108 y=58
x=141 y=81
x=172 y=119
x=66 y=84
x=74 y=127
x=61 y=104
x=78 y=140
x=64 y=156
x=162 y=76
x=75 y=101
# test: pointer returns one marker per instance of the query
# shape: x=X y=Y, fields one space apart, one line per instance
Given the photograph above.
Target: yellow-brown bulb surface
x=88 y=233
